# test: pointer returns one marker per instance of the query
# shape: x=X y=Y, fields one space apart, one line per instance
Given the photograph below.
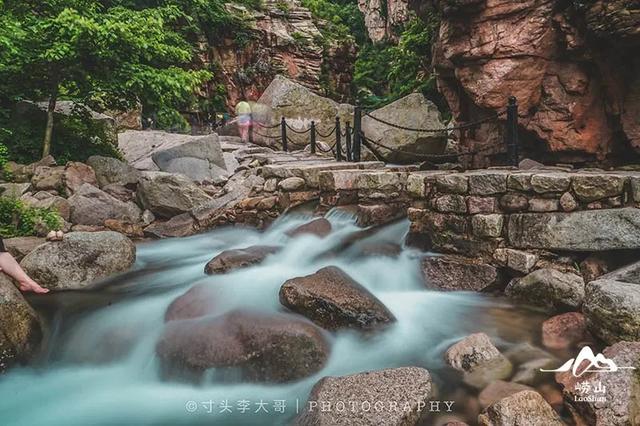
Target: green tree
x=97 y=53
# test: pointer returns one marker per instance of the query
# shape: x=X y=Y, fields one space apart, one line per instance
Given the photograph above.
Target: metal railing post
x=347 y=141
x=283 y=134
x=313 y=137
x=338 y=140
x=250 y=129
x=512 y=131
x=357 y=134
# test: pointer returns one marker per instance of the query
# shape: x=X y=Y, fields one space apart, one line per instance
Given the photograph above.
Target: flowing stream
x=99 y=365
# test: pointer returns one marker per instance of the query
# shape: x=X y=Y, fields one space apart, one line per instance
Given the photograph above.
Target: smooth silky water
x=99 y=366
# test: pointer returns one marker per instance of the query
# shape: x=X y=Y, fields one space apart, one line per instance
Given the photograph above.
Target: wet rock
x=320 y=227
x=592 y=187
x=230 y=260
x=457 y=273
x=414 y=111
x=522 y=408
x=529 y=372
x=19 y=247
x=479 y=360
x=168 y=195
x=524 y=352
x=92 y=206
x=550 y=289
x=77 y=174
x=261 y=347
x=182 y=225
x=378 y=214
x=79 y=259
x=565 y=331
x=407 y=388
x=612 y=309
x=608 y=229
x=291 y=184
x=616 y=402
x=498 y=390
x=333 y=300
x=200 y=300
x=113 y=171
x=380 y=249
x=20 y=327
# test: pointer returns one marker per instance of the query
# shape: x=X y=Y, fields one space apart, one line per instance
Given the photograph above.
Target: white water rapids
x=100 y=368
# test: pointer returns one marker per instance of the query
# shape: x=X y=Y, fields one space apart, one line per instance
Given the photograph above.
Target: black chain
x=328 y=134
x=267 y=127
x=443 y=130
x=300 y=132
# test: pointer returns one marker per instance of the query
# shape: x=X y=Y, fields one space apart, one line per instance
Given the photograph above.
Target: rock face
x=608 y=229
x=550 y=289
x=617 y=405
x=456 y=273
x=334 y=300
x=168 y=195
x=282 y=40
x=80 y=259
x=20 y=328
x=92 y=206
x=300 y=106
x=414 y=111
x=479 y=360
x=522 y=408
x=383 y=17
x=410 y=388
x=201 y=159
x=538 y=51
x=230 y=260
x=265 y=348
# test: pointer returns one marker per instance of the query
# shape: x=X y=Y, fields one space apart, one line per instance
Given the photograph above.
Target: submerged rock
x=262 y=347
x=565 y=331
x=230 y=260
x=522 y=408
x=20 y=328
x=334 y=300
x=319 y=227
x=198 y=301
x=498 y=390
x=79 y=259
x=393 y=397
x=548 y=288
x=479 y=360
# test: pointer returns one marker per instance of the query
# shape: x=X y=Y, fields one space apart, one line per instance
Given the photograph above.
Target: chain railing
x=355 y=137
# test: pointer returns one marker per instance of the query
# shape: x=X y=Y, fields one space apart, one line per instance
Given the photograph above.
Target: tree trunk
x=46 y=149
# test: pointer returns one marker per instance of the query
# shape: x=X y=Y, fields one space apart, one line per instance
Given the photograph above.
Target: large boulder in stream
x=319 y=227
x=479 y=360
x=392 y=397
x=79 y=259
x=413 y=111
x=261 y=347
x=169 y=194
x=523 y=408
x=334 y=300
x=200 y=300
x=230 y=260
x=20 y=328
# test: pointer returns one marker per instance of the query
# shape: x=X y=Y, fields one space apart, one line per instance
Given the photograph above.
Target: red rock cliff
x=573 y=66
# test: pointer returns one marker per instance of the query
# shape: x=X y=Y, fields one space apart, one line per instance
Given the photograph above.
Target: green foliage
x=4 y=156
x=386 y=72
x=80 y=138
x=340 y=19
x=172 y=120
x=19 y=220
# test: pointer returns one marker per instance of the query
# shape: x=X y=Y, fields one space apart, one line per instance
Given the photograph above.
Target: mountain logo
x=595 y=364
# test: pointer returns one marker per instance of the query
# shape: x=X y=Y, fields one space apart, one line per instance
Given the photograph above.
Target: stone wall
x=521 y=219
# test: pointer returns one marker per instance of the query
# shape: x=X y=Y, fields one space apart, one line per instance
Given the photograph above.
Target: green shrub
x=172 y=121
x=19 y=220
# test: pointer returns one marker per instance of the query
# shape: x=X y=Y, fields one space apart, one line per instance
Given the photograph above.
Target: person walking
x=243 y=114
x=9 y=266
